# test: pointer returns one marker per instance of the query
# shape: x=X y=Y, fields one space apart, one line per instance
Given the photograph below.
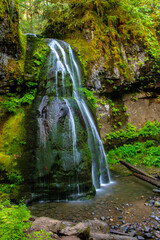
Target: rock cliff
x=11 y=49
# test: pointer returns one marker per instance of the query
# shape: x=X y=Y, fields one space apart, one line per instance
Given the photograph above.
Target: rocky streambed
x=136 y=221
x=125 y=209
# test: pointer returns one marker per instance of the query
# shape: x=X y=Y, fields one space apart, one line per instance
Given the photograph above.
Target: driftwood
x=107 y=236
x=135 y=169
x=141 y=174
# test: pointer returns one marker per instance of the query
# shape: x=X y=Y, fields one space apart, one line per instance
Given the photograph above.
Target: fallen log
x=136 y=170
x=107 y=236
x=148 y=179
x=141 y=174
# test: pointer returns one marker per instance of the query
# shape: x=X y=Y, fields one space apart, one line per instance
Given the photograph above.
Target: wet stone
x=124 y=228
x=132 y=233
x=147 y=235
x=102 y=218
x=140 y=238
x=147 y=229
x=135 y=225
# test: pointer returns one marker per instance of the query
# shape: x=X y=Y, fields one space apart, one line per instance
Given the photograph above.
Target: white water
x=73 y=129
x=41 y=119
x=66 y=62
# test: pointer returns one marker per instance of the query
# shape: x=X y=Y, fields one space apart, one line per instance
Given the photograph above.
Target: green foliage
x=104 y=24
x=13 y=221
x=150 y=129
x=90 y=97
x=14 y=102
x=27 y=84
x=147 y=153
x=115 y=111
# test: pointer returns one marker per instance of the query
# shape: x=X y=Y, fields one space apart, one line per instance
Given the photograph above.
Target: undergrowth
x=150 y=129
x=146 y=153
x=13 y=221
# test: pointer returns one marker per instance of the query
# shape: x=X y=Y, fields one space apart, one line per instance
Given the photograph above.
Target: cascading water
x=70 y=160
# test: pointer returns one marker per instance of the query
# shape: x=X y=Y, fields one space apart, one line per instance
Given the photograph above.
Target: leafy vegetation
x=13 y=221
x=104 y=24
x=150 y=129
x=25 y=80
x=90 y=97
x=147 y=153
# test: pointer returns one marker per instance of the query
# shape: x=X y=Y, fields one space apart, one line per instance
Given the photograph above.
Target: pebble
x=147 y=229
x=124 y=228
x=147 y=235
x=132 y=233
x=122 y=221
x=102 y=218
x=120 y=217
x=140 y=238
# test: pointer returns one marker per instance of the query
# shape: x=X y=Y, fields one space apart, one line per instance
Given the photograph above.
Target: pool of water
x=123 y=192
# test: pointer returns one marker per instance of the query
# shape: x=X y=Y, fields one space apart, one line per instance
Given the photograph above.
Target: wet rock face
x=58 y=170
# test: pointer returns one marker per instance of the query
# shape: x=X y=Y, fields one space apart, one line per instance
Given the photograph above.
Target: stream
x=121 y=200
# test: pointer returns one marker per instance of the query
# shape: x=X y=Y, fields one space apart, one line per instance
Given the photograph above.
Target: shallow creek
x=122 y=200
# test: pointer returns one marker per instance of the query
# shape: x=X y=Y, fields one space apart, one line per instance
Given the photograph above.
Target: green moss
x=23 y=42
x=35 y=60
x=12 y=137
x=12 y=141
x=3 y=8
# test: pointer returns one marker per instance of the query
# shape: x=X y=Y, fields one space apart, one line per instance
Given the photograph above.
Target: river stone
x=98 y=226
x=48 y=224
x=70 y=238
x=81 y=230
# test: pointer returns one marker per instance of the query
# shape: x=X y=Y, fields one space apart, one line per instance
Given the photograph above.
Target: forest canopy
x=118 y=19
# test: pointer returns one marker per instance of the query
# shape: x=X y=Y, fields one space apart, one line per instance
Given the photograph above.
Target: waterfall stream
x=70 y=65
x=69 y=159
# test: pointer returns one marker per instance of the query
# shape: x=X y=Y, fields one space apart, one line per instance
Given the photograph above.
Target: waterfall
x=70 y=65
x=67 y=157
